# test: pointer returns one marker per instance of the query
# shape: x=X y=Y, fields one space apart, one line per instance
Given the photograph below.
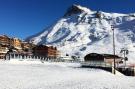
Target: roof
x=111 y=56
x=96 y=56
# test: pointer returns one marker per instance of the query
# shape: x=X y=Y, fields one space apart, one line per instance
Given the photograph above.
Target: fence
x=30 y=57
x=128 y=71
x=97 y=64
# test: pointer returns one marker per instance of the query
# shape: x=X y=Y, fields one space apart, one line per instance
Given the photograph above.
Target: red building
x=45 y=51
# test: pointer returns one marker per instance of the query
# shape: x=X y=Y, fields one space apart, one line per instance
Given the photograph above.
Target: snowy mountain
x=81 y=31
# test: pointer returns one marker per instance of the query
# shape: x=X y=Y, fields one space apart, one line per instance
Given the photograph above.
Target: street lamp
x=113 y=49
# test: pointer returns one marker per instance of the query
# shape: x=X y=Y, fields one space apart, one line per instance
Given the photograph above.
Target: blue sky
x=22 y=18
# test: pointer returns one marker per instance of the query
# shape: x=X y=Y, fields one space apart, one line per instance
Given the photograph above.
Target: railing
x=29 y=57
x=128 y=71
x=96 y=64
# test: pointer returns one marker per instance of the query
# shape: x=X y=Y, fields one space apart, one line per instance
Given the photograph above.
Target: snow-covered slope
x=81 y=31
x=35 y=75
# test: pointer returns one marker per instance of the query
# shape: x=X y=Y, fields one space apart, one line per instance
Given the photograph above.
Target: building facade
x=102 y=59
x=7 y=43
x=27 y=48
x=16 y=43
x=18 y=47
x=3 y=51
x=4 y=40
x=45 y=51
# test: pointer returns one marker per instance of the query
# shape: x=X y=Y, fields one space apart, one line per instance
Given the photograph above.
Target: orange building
x=52 y=51
x=26 y=45
x=4 y=40
x=16 y=43
x=27 y=48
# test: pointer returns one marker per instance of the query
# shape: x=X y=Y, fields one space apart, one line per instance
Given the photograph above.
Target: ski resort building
x=3 y=51
x=7 y=43
x=27 y=48
x=4 y=43
x=45 y=51
x=20 y=48
x=26 y=45
x=102 y=59
x=16 y=43
x=4 y=40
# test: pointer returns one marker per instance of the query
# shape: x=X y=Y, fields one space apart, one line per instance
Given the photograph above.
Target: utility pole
x=113 y=50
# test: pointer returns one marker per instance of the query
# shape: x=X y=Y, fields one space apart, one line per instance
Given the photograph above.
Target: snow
x=37 y=75
x=84 y=9
x=85 y=31
x=39 y=38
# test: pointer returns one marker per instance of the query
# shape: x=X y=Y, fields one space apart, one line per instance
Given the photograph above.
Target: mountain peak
x=82 y=31
x=75 y=9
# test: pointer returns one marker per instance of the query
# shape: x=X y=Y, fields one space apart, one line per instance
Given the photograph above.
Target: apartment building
x=45 y=51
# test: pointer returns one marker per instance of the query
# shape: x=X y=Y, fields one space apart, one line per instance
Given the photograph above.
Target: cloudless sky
x=23 y=18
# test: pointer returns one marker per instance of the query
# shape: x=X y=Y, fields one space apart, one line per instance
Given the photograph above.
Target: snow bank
x=58 y=76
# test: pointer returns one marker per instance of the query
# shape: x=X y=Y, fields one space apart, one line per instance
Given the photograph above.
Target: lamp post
x=113 y=50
